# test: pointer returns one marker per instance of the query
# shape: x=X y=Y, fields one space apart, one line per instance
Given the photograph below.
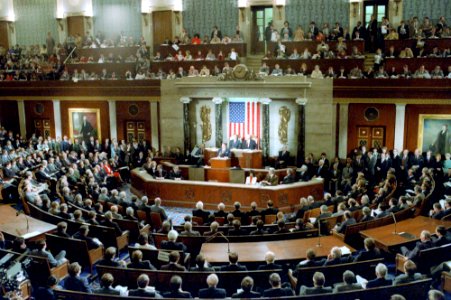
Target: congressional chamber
x=287 y=149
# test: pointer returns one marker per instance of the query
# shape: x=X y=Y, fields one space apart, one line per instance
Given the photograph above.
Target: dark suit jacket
x=45 y=293
x=144 y=293
x=412 y=254
x=441 y=241
x=173 y=267
x=112 y=224
x=201 y=214
x=177 y=294
x=145 y=264
x=344 y=224
x=224 y=153
x=212 y=292
x=233 y=268
x=252 y=145
x=368 y=255
x=78 y=284
x=247 y=295
x=378 y=282
x=314 y=290
x=89 y=240
x=279 y=292
x=108 y=291
x=168 y=245
x=109 y=263
x=271 y=266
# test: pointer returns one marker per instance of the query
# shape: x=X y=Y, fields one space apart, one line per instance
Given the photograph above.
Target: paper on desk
x=30 y=234
x=312 y=220
x=175 y=47
x=361 y=280
x=345 y=250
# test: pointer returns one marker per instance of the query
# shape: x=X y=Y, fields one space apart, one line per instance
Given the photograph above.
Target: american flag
x=244 y=118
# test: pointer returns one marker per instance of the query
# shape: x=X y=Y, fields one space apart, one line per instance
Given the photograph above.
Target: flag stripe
x=244 y=119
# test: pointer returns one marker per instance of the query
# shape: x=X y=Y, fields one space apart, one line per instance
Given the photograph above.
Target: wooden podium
x=210 y=153
x=249 y=159
x=220 y=163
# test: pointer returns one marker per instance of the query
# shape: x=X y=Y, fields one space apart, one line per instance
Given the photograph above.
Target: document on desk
x=345 y=250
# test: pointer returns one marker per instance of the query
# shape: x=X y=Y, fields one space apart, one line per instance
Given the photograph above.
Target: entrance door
x=370 y=136
x=377 y=8
x=261 y=16
x=135 y=130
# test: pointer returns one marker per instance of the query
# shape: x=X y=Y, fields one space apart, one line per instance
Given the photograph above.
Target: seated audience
x=173 y=265
x=105 y=285
x=212 y=291
x=349 y=283
x=233 y=264
x=138 y=263
x=73 y=282
x=175 y=289
x=381 y=273
x=410 y=275
x=246 y=286
x=144 y=290
x=276 y=289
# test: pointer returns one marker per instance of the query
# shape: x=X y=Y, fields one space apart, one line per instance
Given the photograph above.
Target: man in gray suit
x=53 y=261
x=318 y=286
x=156 y=208
x=348 y=284
x=410 y=275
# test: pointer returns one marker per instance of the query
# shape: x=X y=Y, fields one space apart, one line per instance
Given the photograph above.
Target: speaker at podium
x=237 y=176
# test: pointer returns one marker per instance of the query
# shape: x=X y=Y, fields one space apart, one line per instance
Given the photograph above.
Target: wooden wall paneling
x=39 y=110
x=412 y=120
x=4 y=36
x=9 y=115
x=101 y=105
x=162 y=26
x=387 y=117
x=126 y=113
x=76 y=25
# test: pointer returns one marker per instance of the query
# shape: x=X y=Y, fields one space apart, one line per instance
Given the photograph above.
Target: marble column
x=113 y=122
x=218 y=120
x=399 y=126
x=265 y=141
x=300 y=156
x=343 y=130
x=186 y=128
x=154 y=125
x=22 y=118
x=57 y=118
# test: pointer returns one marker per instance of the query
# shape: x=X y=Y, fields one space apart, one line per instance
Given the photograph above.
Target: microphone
x=319 y=233
x=219 y=233
x=394 y=219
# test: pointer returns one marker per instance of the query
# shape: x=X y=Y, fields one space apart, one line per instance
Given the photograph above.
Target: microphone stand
x=319 y=233
x=219 y=233
x=394 y=219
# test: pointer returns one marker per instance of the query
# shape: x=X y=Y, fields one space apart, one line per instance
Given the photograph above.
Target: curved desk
x=185 y=193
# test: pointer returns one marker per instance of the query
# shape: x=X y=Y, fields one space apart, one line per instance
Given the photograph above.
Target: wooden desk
x=324 y=64
x=286 y=250
x=388 y=241
x=311 y=46
x=185 y=193
x=218 y=162
x=412 y=43
x=249 y=159
x=16 y=226
x=240 y=48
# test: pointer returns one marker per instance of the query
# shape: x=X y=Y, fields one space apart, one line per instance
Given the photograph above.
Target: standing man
x=86 y=130
x=50 y=43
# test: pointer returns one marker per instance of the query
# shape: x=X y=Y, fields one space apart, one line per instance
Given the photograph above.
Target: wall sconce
x=144 y=18
x=355 y=7
x=280 y=4
x=397 y=3
x=242 y=4
x=60 y=23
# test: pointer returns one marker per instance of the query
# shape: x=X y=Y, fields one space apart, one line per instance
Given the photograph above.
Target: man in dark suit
x=74 y=282
x=175 y=287
x=108 y=222
x=138 y=263
x=335 y=257
x=371 y=251
x=270 y=257
x=82 y=234
x=437 y=212
x=348 y=284
x=318 y=286
x=289 y=178
x=249 y=143
x=109 y=259
x=143 y=289
x=246 y=285
x=424 y=243
x=410 y=274
x=105 y=285
x=171 y=243
x=283 y=158
x=233 y=265
x=381 y=272
x=224 y=152
x=86 y=130
x=260 y=229
x=158 y=209
x=441 y=239
x=349 y=220
x=235 y=142
x=237 y=230
x=200 y=212
x=46 y=292
x=212 y=291
x=173 y=265
x=403 y=31
x=276 y=289
x=270 y=210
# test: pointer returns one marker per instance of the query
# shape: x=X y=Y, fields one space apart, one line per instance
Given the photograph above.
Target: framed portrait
x=84 y=123
x=433 y=133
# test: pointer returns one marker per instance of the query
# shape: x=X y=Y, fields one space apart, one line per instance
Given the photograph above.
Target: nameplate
x=163 y=256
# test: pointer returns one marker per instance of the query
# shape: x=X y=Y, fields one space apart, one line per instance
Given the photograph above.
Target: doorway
x=371 y=136
x=261 y=16
x=379 y=8
x=135 y=131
